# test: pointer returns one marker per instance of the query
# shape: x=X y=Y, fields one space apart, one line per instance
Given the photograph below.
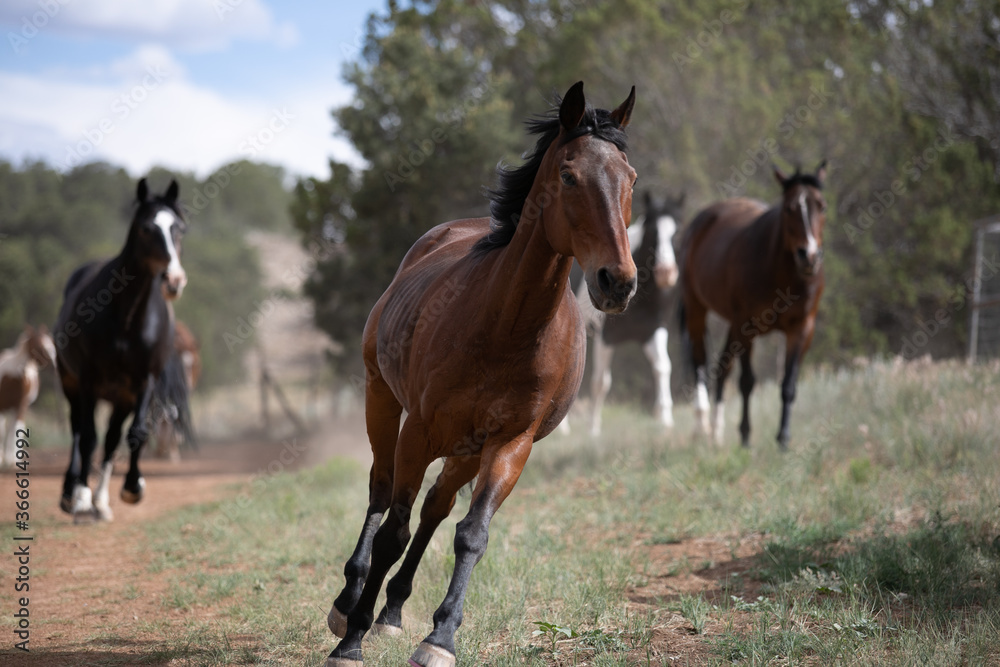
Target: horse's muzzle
x=612 y=292
x=174 y=281
x=665 y=276
x=808 y=264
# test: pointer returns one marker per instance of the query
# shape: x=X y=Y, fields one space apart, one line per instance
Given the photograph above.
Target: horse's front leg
x=499 y=470
x=102 y=505
x=656 y=352
x=134 y=487
x=76 y=497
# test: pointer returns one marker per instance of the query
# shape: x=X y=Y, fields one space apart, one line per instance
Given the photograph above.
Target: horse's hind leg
x=457 y=472
x=695 y=316
x=656 y=351
x=500 y=469
x=138 y=433
x=390 y=539
x=382 y=412
x=746 y=386
x=735 y=346
x=102 y=506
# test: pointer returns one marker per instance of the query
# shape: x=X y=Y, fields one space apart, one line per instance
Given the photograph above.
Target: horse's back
x=392 y=320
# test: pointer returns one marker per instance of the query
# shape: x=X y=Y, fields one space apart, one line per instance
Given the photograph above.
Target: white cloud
x=146 y=112
x=187 y=24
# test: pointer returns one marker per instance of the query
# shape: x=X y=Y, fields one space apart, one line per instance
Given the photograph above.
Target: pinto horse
x=480 y=339
x=761 y=269
x=114 y=334
x=652 y=240
x=19 y=383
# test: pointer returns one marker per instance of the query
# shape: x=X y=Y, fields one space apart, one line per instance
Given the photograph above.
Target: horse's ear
x=623 y=114
x=821 y=172
x=573 y=107
x=142 y=192
x=171 y=196
x=780 y=175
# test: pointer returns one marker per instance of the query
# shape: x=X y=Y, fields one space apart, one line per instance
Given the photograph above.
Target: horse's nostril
x=604 y=280
x=803 y=255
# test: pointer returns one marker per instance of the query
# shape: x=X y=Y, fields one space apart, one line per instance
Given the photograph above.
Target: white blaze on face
x=811 y=246
x=666 y=262
x=176 y=278
x=635 y=233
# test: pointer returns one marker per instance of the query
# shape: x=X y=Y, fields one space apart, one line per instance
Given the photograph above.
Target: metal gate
x=984 y=327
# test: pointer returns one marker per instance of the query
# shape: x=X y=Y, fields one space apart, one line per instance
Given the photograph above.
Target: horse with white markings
x=651 y=238
x=19 y=383
x=115 y=331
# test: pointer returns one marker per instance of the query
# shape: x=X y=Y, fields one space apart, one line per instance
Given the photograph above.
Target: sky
x=189 y=85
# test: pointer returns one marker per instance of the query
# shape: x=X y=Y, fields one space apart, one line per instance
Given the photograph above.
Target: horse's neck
x=529 y=280
x=138 y=289
x=765 y=237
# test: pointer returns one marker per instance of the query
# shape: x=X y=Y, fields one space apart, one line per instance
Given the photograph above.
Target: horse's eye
x=567 y=178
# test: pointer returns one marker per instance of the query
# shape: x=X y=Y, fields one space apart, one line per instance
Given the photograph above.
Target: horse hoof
x=104 y=514
x=387 y=630
x=429 y=655
x=337 y=622
x=133 y=497
x=343 y=662
x=81 y=504
x=66 y=504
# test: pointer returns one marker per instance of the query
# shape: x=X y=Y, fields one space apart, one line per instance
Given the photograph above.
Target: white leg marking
x=82 y=504
x=656 y=351
x=701 y=409
x=718 y=422
x=102 y=505
x=600 y=382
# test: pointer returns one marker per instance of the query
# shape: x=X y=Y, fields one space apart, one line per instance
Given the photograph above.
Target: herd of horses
x=479 y=340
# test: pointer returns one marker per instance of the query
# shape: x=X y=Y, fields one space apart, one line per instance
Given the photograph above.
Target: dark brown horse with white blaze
x=113 y=336
x=761 y=269
x=479 y=338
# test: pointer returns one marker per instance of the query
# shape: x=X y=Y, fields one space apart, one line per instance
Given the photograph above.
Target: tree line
x=902 y=98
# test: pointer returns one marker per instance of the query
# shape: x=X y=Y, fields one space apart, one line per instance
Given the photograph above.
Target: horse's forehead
x=165 y=219
x=598 y=153
x=666 y=226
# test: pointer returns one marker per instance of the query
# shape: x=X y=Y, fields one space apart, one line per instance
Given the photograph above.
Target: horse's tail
x=171 y=390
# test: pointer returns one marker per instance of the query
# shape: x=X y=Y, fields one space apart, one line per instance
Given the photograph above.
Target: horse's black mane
x=802 y=179
x=514 y=183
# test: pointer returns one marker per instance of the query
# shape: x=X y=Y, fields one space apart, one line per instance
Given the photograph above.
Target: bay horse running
x=19 y=383
x=170 y=410
x=480 y=339
x=113 y=336
x=761 y=269
x=651 y=238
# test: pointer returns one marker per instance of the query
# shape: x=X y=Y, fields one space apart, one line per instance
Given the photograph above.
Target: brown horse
x=761 y=269
x=479 y=338
x=19 y=382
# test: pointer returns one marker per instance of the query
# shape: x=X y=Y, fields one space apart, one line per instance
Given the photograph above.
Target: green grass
x=878 y=534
